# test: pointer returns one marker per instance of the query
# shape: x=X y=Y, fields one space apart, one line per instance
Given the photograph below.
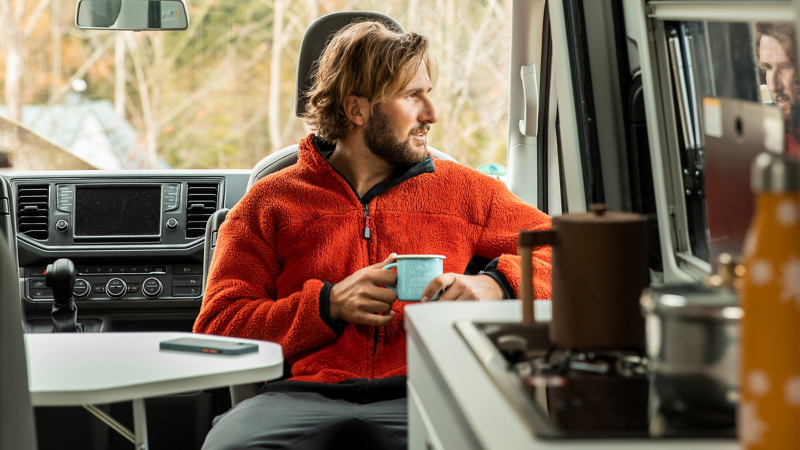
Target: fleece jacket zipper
x=366 y=222
x=367 y=236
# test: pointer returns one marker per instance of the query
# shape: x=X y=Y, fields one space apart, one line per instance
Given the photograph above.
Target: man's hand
x=358 y=297
x=463 y=287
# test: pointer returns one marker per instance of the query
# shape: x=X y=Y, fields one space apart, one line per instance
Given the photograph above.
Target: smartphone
x=209 y=346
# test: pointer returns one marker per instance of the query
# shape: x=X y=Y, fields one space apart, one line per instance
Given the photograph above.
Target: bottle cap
x=773 y=172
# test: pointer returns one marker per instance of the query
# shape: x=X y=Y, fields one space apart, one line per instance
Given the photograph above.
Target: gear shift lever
x=61 y=277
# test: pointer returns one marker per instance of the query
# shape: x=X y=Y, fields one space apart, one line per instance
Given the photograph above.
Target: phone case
x=209 y=346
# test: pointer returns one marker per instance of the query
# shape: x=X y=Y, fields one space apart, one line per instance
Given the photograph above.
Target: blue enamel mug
x=414 y=274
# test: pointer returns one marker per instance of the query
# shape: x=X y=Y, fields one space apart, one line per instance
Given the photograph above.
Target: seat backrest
x=17 y=428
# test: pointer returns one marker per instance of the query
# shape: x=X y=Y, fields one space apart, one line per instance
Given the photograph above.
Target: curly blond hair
x=365 y=59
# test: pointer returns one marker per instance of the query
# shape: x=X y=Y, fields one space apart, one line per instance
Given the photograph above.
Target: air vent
x=32 y=211
x=201 y=203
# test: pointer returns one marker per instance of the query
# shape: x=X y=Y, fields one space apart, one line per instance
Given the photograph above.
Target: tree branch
x=37 y=14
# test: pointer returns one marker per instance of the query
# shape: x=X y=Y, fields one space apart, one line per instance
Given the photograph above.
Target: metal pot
x=692 y=336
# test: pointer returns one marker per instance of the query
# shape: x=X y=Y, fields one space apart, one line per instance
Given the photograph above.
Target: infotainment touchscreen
x=104 y=211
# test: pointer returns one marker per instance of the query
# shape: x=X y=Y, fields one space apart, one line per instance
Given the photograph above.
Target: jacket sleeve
x=240 y=295
x=499 y=241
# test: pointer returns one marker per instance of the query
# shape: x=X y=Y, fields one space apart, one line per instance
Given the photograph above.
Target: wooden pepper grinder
x=769 y=410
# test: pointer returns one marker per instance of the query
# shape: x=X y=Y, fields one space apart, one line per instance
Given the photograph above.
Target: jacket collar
x=316 y=151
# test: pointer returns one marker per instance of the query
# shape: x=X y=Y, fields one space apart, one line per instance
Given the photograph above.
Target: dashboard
x=136 y=238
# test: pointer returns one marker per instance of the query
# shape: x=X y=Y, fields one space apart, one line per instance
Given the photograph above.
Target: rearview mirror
x=132 y=15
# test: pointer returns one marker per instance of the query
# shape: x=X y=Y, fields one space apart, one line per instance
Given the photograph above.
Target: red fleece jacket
x=300 y=229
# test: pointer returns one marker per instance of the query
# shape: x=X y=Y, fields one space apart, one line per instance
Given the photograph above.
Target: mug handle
x=387 y=267
x=528 y=240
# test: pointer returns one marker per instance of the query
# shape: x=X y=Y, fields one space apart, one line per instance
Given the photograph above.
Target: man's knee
x=305 y=420
x=275 y=421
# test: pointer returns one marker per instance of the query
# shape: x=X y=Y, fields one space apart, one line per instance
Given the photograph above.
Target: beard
x=382 y=141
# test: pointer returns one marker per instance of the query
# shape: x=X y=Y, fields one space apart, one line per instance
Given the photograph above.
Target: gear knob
x=61 y=277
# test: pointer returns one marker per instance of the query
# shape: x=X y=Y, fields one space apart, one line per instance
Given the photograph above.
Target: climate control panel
x=132 y=282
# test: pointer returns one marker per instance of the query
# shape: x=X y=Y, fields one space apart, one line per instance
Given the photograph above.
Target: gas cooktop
x=581 y=394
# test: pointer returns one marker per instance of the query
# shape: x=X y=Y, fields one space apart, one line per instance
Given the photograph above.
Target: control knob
x=81 y=288
x=62 y=225
x=152 y=287
x=172 y=224
x=116 y=287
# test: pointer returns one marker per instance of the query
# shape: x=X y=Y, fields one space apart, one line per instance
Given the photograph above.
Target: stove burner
x=580 y=393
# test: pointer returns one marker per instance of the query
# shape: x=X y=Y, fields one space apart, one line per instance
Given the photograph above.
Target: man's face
x=397 y=128
x=781 y=77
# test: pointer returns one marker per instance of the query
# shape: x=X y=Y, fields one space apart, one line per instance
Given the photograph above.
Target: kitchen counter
x=453 y=404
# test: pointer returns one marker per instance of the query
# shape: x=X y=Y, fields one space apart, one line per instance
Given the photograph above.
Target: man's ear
x=357 y=109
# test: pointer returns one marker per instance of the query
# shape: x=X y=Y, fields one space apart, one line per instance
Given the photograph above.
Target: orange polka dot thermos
x=769 y=408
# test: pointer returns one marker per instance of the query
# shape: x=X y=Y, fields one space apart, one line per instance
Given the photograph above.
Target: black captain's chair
x=314 y=41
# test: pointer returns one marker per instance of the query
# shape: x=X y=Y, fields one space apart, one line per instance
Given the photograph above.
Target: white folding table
x=67 y=369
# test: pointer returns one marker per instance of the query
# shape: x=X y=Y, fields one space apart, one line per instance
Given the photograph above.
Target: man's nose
x=774 y=82
x=429 y=114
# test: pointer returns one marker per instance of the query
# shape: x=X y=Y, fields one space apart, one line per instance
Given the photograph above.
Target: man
x=776 y=50
x=299 y=260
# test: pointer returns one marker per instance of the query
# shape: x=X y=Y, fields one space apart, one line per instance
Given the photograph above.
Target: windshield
x=221 y=94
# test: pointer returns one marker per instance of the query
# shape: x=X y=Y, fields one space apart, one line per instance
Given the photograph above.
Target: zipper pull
x=366 y=224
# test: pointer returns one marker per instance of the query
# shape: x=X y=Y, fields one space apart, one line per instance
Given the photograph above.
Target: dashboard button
x=133 y=287
x=187 y=281
x=41 y=293
x=188 y=291
x=152 y=287
x=62 y=225
x=81 y=288
x=159 y=269
x=38 y=284
x=172 y=224
x=36 y=271
x=115 y=287
x=187 y=270
x=99 y=288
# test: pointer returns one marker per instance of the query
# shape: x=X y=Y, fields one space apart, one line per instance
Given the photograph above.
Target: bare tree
x=275 y=76
x=55 y=33
x=120 y=74
x=313 y=10
x=413 y=5
x=151 y=131
x=14 y=46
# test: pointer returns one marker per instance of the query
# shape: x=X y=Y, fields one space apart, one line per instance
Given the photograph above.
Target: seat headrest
x=316 y=39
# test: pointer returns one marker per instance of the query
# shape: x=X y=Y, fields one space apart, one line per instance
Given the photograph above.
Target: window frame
x=646 y=26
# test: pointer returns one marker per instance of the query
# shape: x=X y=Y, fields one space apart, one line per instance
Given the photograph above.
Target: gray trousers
x=308 y=420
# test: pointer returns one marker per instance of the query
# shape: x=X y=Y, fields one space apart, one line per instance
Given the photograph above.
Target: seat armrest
x=212 y=229
x=242 y=392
